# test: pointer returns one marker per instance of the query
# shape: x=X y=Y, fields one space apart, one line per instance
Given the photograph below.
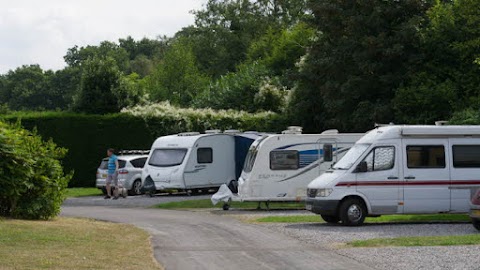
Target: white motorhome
x=279 y=167
x=400 y=170
x=194 y=161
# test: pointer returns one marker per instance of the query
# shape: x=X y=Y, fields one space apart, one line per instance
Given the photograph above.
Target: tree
x=177 y=77
x=130 y=91
x=224 y=29
x=448 y=78
x=99 y=79
x=364 y=52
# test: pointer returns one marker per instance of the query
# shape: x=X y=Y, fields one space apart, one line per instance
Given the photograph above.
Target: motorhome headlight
x=324 y=192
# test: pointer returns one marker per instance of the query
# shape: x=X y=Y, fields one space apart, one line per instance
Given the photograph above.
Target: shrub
x=31 y=174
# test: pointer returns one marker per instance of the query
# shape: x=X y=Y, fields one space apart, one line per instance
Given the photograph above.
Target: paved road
x=131 y=201
x=200 y=240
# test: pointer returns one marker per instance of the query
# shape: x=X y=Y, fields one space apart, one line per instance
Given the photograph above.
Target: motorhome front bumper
x=322 y=207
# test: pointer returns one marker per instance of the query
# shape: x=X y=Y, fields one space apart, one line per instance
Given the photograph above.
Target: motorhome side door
x=380 y=183
x=426 y=175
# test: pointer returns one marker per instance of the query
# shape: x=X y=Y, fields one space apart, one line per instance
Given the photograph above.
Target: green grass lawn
x=382 y=219
x=82 y=192
x=206 y=203
x=450 y=240
x=71 y=243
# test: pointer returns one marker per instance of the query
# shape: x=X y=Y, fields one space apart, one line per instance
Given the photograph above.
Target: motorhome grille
x=312 y=192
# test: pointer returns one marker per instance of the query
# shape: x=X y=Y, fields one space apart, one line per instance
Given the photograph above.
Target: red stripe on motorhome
x=409 y=183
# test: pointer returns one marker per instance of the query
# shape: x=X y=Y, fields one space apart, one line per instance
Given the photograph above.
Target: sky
x=40 y=32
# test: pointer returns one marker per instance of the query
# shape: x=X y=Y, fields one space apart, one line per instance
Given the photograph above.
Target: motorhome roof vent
x=213 y=131
x=330 y=131
x=293 y=130
x=441 y=123
x=232 y=131
x=189 y=134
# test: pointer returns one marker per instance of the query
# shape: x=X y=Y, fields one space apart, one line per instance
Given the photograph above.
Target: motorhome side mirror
x=327 y=152
x=362 y=167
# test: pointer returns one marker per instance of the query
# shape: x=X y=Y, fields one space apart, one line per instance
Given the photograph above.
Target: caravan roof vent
x=189 y=134
x=377 y=125
x=232 y=131
x=251 y=132
x=293 y=130
x=330 y=131
x=213 y=131
x=441 y=123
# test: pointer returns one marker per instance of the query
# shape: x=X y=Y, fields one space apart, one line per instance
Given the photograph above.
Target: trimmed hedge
x=88 y=136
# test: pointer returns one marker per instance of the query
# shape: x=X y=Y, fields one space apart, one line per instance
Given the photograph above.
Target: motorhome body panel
x=429 y=172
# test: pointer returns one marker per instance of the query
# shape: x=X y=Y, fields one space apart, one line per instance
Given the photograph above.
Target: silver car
x=129 y=173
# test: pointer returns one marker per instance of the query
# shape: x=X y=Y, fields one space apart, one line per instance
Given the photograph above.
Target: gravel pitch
x=447 y=257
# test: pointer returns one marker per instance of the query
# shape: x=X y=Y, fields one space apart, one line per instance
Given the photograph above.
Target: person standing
x=112 y=175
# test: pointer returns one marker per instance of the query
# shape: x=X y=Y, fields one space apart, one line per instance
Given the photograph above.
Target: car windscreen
x=104 y=164
x=167 y=157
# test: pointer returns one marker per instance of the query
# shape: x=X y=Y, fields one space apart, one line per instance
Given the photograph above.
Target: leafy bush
x=31 y=175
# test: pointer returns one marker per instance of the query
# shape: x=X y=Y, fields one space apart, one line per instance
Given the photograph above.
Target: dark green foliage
x=363 y=54
x=177 y=77
x=448 y=78
x=31 y=174
x=100 y=78
x=88 y=136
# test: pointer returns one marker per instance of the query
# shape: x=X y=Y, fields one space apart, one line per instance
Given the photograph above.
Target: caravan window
x=284 y=160
x=380 y=159
x=425 y=156
x=466 y=156
x=167 y=157
x=204 y=155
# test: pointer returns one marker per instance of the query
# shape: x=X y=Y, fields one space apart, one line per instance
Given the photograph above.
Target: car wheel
x=136 y=188
x=476 y=223
x=331 y=219
x=352 y=212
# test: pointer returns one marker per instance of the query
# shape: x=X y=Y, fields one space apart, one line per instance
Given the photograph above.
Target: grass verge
x=450 y=240
x=382 y=219
x=206 y=203
x=82 y=192
x=71 y=243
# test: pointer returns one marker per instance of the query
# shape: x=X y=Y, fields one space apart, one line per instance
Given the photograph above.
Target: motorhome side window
x=204 y=155
x=466 y=156
x=380 y=159
x=284 y=160
x=425 y=156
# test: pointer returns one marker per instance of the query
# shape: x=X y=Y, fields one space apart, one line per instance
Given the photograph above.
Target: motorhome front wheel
x=352 y=212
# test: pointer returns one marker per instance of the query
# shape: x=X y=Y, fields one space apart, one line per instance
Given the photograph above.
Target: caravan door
x=426 y=175
x=380 y=184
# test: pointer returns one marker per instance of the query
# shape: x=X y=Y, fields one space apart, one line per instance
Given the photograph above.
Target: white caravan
x=194 y=161
x=279 y=167
x=400 y=170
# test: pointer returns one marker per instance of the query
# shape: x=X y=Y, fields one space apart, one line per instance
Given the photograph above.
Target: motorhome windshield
x=347 y=161
x=167 y=157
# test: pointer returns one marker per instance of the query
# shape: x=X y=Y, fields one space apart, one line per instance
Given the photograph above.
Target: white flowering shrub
x=170 y=119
